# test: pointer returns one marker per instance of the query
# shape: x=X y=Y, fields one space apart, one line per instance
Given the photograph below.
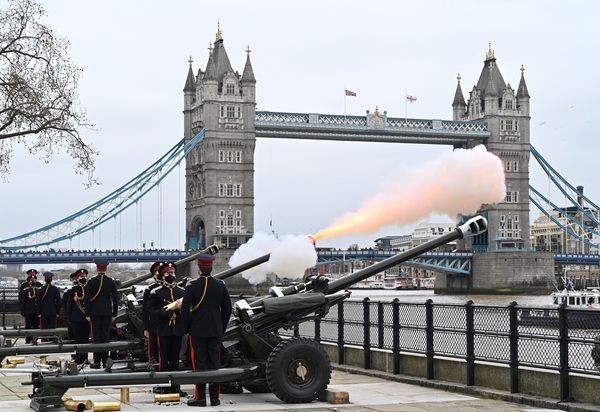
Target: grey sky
x=135 y=60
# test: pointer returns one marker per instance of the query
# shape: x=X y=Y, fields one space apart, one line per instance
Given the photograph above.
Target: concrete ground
x=375 y=392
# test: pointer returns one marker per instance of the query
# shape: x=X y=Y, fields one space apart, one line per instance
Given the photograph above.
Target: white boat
x=586 y=305
x=426 y=283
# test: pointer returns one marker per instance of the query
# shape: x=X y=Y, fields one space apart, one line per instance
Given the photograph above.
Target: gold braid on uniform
x=31 y=293
x=78 y=299
x=46 y=291
x=203 y=293
x=173 y=319
x=99 y=287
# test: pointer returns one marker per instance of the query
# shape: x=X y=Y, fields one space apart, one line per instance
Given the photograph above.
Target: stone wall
x=531 y=381
x=503 y=273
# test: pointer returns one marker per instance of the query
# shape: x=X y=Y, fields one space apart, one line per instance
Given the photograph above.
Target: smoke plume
x=290 y=256
x=456 y=183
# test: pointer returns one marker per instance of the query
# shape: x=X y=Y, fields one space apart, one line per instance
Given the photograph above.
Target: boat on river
x=583 y=309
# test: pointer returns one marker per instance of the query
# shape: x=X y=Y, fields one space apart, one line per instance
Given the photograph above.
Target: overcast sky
x=135 y=59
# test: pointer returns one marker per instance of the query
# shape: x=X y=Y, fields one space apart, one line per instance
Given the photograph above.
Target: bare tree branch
x=38 y=91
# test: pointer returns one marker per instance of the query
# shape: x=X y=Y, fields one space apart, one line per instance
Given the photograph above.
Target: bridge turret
x=523 y=95
x=220 y=170
x=189 y=98
x=459 y=106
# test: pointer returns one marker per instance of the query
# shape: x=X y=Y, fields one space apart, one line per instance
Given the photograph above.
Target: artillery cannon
x=254 y=355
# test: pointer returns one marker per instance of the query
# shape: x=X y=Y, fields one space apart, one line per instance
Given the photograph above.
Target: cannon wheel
x=261 y=385
x=298 y=370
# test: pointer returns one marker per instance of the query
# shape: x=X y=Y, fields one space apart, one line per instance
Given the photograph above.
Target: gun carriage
x=254 y=355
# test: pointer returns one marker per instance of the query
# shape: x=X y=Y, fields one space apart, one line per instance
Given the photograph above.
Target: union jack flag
x=349 y=93
x=410 y=98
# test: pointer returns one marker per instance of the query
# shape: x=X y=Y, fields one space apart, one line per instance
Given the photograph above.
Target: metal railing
x=555 y=339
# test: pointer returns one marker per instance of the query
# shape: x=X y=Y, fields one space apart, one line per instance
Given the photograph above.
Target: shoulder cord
x=203 y=294
x=100 y=287
x=46 y=291
x=31 y=295
x=78 y=299
x=173 y=319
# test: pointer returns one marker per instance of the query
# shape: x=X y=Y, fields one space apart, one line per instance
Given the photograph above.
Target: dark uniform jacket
x=168 y=322
x=48 y=300
x=76 y=304
x=101 y=297
x=28 y=301
x=149 y=319
x=210 y=318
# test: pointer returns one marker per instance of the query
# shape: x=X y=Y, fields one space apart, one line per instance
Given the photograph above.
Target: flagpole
x=344 y=101
x=405 y=107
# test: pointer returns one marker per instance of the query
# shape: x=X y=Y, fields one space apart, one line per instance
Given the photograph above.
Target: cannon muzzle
x=472 y=227
x=240 y=268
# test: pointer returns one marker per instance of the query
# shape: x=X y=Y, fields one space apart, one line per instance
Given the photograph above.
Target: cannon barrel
x=25 y=333
x=212 y=250
x=240 y=268
x=472 y=227
x=44 y=349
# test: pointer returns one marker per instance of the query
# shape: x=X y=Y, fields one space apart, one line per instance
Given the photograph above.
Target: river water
x=420 y=296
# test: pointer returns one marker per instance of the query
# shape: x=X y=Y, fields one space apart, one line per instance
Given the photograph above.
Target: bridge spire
x=218 y=35
x=459 y=106
x=490 y=53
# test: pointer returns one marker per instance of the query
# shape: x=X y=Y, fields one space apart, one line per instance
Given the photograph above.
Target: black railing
x=556 y=339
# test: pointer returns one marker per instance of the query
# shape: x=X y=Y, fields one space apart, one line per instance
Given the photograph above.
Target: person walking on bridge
x=205 y=309
x=101 y=304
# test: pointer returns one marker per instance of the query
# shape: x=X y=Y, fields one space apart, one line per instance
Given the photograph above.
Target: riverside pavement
x=367 y=391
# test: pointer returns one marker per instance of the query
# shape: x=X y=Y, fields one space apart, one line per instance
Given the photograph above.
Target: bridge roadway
x=445 y=262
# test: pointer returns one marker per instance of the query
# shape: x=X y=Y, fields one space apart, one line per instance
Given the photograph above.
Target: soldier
x=28 y=303
x=205 y=309
x=48 y=303
x=25 y=284
x=64 y=304
x=150 y=321
x=101 y=306
x=76 y=312
x=163 y=304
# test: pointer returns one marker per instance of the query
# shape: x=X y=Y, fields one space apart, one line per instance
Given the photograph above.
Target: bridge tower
x=220 y=169
x=507 y=114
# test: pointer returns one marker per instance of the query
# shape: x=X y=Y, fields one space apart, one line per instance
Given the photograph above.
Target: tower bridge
x=221 y=125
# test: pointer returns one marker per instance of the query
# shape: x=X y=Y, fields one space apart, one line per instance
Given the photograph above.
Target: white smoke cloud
x=290 y=256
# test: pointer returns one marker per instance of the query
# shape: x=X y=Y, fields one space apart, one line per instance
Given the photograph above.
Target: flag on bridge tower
x=410 y=98
x=347 y=93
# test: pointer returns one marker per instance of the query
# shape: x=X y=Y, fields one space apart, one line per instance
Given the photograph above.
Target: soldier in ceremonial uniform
x=80 y=326
x=163 y=304
x=64 y=304
x=101 y=303
x=48 y=303
x=148 y=319
x=206 y=308
x=30 y=273
x=28 y=302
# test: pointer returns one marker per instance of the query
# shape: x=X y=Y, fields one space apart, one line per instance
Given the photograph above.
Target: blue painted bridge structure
x=275 y=125
x=456 y=263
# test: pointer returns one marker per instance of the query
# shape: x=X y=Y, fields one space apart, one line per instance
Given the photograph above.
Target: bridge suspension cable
x=108 y=207
x=585 y=206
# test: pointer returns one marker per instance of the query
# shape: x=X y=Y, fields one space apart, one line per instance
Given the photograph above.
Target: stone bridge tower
x=220 y=170
x=507 y=114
